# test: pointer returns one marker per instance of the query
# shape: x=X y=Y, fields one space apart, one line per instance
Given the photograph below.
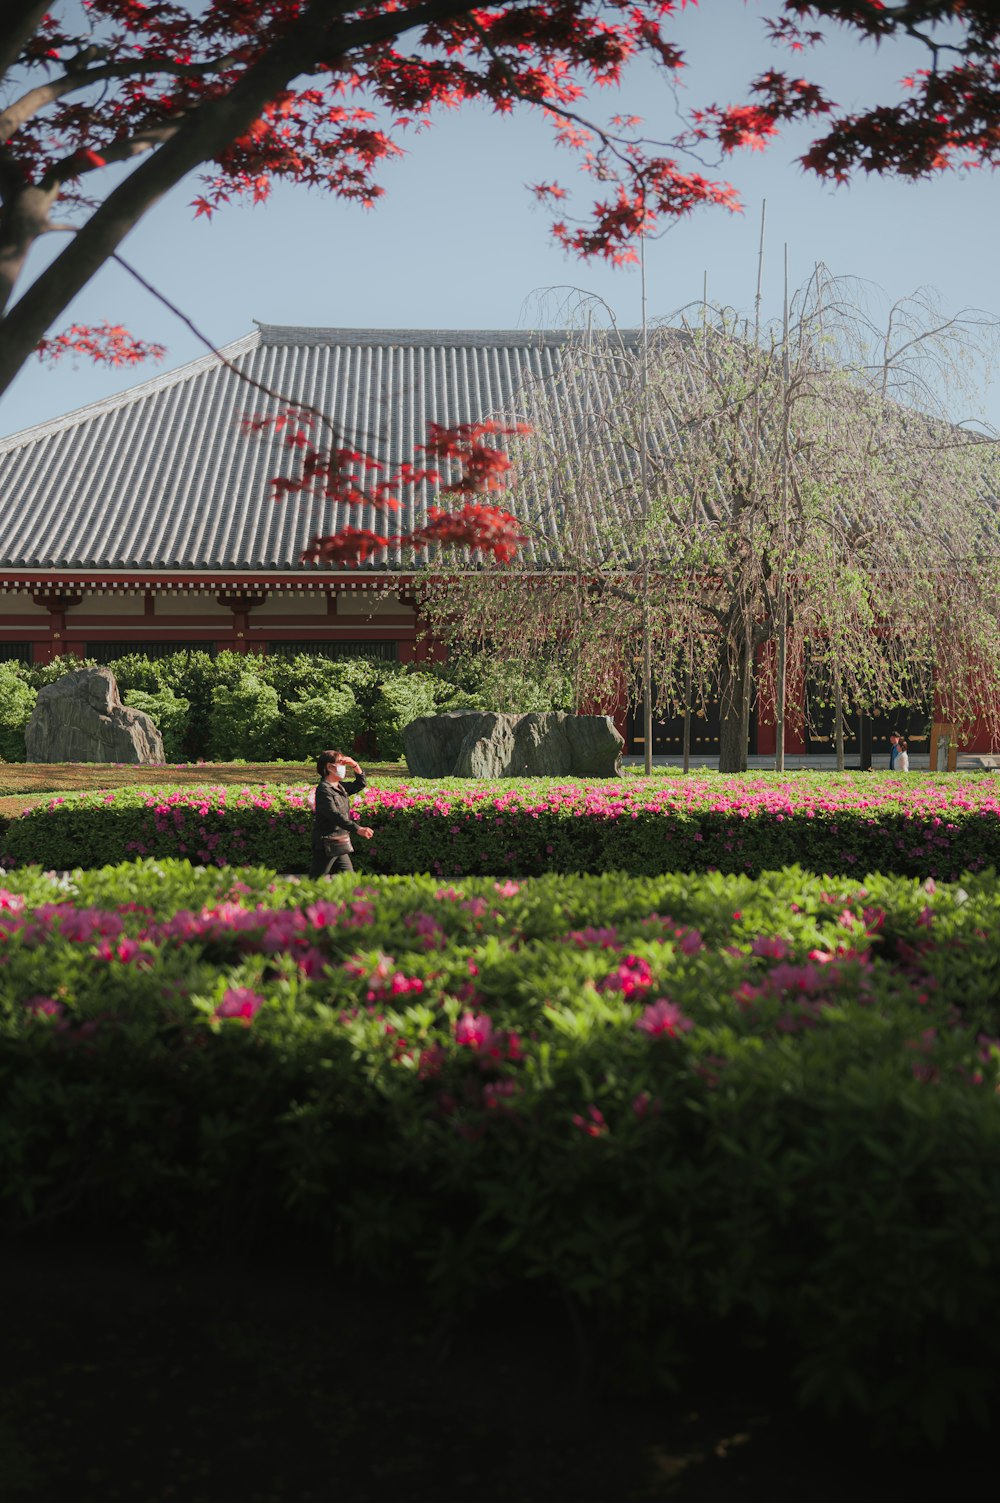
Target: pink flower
x=593 y=1124
x=770 y=947
x=312 y=962
x=476 y=1030
x=44 y=1007
x=689 y=942
x=401 y=984
x=239 y=1002
x=430 y=1062
x=507 y=889
x=604 y=939
x=633 y=975
x=498 y=1092
x=663 y=1017
x=126 y=951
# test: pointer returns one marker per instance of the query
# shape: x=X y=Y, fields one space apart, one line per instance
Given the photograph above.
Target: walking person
x=902 y=756
x=893 y=750
x=333 y=827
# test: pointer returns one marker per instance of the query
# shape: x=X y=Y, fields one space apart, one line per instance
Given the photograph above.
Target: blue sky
x=458 y=241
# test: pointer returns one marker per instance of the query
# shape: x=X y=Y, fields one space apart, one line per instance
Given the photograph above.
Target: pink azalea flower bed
x=920 y=826
x=691 y=1105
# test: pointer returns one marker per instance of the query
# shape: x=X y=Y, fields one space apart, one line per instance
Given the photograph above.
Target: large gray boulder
x=81 y=718
x=470 y=744
x=432 y=743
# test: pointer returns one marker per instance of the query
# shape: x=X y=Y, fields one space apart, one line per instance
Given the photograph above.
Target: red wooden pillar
x=57 y=604
x=241 y=606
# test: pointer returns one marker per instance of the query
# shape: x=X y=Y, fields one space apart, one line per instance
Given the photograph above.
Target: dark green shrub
x=17 y=700
x=40 y=674
x=170 y=715
x=138 y=672
x=245 y=721
x=404 y=697
x=330 y=720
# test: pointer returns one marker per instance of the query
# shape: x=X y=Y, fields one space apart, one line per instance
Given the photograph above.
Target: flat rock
x=471 y=744
x=81 y=718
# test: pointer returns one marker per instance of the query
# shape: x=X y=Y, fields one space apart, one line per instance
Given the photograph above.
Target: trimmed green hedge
x=245 y=707
x=704 y=1110
x=930 y=827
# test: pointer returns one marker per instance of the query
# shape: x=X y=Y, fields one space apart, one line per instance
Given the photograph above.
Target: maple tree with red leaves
x=109 y=105
x=105 y=344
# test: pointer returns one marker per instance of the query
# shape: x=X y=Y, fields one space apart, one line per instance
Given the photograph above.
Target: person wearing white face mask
x=333 y=827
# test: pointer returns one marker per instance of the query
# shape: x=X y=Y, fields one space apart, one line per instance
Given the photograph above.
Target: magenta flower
x=499 y=1092
x=590 y=938
x=633 y=975
x=593 y=1124
x=475 y=1030
x=663 y=1017
x=770 y=947
x=126 y=950
x=239 y=1002
x=44 y=1007
x=429 y=1062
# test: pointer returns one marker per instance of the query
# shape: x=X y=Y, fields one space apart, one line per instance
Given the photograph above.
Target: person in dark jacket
x=333 y=827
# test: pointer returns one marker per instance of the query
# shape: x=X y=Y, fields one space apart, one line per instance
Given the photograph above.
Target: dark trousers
x=324 y=865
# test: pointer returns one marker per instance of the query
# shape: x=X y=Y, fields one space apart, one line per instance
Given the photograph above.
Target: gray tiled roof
x=161 y=477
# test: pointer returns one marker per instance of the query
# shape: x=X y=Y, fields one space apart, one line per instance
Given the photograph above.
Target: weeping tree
x=758 y=504
x=598 y=567
x=888 y=533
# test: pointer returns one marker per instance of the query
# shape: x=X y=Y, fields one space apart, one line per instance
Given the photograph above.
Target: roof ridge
x=103 y=405
x=306 y=334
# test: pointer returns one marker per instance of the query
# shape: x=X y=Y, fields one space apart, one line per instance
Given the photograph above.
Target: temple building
x=147 y=521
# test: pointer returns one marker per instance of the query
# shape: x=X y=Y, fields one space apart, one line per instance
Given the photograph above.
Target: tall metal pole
x=647 y=646
x=746 y=660
x=760 y=272
x=838 y=687
x=689 y=677
x=781 y=669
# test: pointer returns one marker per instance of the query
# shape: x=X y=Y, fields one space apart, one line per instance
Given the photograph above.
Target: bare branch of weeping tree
x=887 y=546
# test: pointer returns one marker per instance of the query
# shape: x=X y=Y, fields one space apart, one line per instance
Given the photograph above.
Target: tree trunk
x=838 y=710
x=735 y=688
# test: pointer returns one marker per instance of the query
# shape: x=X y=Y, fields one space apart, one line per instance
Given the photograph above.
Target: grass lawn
x=22 y=784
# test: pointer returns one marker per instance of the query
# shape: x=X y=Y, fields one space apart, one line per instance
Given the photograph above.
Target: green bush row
x=466 y=830
x=234 y=707
x=702 y=1110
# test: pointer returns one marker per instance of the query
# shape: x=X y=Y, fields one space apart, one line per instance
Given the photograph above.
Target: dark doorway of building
x=668 y=734
x=911 y=720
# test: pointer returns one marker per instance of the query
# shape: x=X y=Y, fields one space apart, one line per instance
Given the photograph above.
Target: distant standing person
x=902 y=756
x=333 y=827
x=893 y=751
